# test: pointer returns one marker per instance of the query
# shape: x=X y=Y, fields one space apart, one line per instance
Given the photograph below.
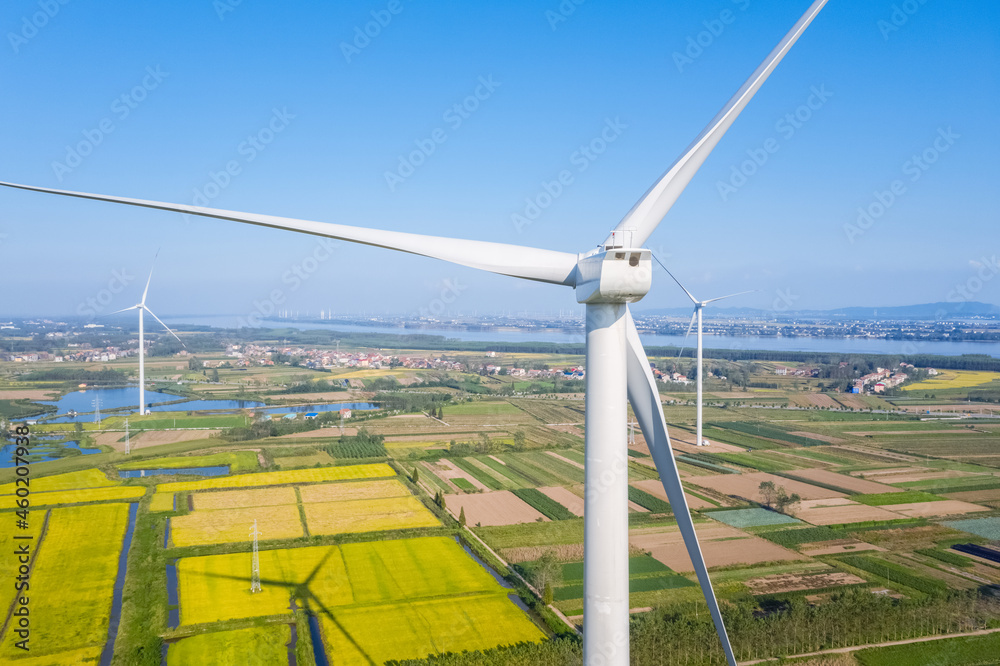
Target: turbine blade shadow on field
x=303 y=592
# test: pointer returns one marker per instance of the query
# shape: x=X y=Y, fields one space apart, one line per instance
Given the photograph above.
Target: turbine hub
x=614 y=275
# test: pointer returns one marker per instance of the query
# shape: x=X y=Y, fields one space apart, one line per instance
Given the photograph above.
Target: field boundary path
x=531 y=587
x=855 y=648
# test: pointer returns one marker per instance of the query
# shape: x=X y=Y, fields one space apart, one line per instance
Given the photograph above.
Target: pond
x=218 y=470
x=43 y=452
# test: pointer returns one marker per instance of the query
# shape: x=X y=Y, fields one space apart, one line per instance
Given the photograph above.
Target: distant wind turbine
x=698 y=307
x=142 y=308
x=606 y=279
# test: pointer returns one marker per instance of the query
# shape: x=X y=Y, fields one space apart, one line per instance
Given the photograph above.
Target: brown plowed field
x=27 y=394
x=497 y=508
x=720 y=551
x=976 y=495
x=945 y=508
x=843 y=481
x=836 y=547
x=794 y=582
x=747 y=485
x=574 y=503
x=844 y=513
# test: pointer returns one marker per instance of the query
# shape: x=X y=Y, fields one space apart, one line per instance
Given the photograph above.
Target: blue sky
x=310 y=128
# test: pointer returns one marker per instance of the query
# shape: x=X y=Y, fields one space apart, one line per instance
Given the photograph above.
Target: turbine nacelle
x=614 y=275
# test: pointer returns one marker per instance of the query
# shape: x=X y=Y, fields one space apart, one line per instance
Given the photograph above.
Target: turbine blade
x=645 y=400
x=690 y=295
x=522 y=262
x=165 y=326
x=134 y=307
x=690 y=326
x=712 y=300
x=150 y=278
x=644 y=217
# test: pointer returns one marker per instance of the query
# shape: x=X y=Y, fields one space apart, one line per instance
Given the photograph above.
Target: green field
x=963 y=651
x=889 y=499
x=237 y=461
x=481 y=408
x=755 y=517
x=544 y=504
x=73 y=577
x=988 y=528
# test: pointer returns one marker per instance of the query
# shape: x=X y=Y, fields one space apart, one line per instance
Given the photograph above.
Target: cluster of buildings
x=797 y=372
x=86 y=355
x=574 y=372
x=881 y=379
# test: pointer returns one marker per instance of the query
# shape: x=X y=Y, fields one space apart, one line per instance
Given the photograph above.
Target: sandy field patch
x=152 y=438
x=889 y=471
x=356 y=490
x=668 y=548
x=683 y=441
x=570 y=428
x=496 y=508
x=836 y=547
x=927 y=476
x=843 y=481
x=27 y=394
x=746 y=485
x=655 y=487
x=820 y=400
x=876 y=453
x=823 y=438
x=945 y=508
x=844 y=513
x=565 y=459
x=236 y=499
x=566 y=497
x=795 y=582
x=446 y=469
x=851 y=401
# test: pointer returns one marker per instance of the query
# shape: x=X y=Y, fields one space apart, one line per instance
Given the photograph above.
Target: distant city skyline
x=863 y=174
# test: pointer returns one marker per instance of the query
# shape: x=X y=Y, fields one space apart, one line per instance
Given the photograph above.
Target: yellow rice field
x=235 y=499
x=345 y=473
x=368 y=515
x=335 y=492
x=954 y=379
x=83 y=657
x=88 y=495
x=88 y=478
x=162 y=502
x=8 y=544
x=233 y=525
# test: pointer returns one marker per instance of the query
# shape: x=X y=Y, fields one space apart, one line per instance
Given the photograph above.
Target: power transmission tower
x=128 y=449
x=255 y=582
x=631 y=434
x=97 y=410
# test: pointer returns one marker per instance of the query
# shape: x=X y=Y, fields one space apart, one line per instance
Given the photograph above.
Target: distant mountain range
x=923 y=312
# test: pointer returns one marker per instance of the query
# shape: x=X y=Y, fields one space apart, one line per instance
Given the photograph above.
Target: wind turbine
x=606 y=279
x=698 y=307
x=143 y=308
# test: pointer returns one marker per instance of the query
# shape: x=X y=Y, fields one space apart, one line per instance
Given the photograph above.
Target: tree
x=547 y=571
x=415 y=477
x=768 y=492
x=194 y=363
x=520 y=440
x=785 y=502
x=215 y=375
x=461 y=517
x=547 y=596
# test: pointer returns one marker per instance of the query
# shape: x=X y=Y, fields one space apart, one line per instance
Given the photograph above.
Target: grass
x=645 y=584
x=237 y=461
x=81 y=657
x=894 y=574
x=533 y=534
x=309 y=460
x=88 y=478
x=202 y=528
x=481 y=408
x=889 y=499
x=954 y=379
x=463 y=484
x=345 y=473
x=962 y=651
x=544 y=504
x=368 y=515
x=258 y=645
x=800 y=536
x=73 y=578
x=770 y=432
x=755 y=517
x=465 y=464
x=516 y=478
x=335 y=492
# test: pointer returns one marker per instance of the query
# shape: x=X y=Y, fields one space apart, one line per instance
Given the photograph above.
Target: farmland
x=345 y=473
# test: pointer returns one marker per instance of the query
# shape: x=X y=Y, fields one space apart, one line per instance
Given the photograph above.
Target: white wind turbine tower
x=698 y=307
x=606 y=279
x=143 y=308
